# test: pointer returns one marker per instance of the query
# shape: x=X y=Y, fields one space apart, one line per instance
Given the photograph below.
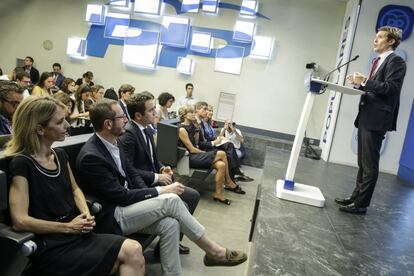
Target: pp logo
x=397 y=16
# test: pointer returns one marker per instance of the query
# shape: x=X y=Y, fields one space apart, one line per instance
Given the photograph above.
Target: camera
x=312 y=66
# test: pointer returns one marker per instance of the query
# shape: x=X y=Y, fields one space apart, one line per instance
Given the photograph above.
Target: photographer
x=234 y=135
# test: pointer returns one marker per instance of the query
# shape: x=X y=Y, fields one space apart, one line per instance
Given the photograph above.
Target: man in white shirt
x=189 y=98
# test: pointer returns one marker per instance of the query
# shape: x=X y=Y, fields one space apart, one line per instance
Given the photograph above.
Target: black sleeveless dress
x=51 y=198
x=203 y=160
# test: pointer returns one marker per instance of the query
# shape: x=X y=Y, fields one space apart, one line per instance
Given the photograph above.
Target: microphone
x=326 y=78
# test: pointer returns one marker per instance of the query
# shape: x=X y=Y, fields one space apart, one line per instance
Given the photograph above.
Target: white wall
x=341 y=148
x=270 y=95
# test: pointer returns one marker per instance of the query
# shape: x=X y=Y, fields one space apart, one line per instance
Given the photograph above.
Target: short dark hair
x=189 y=84
x=8 y=87
x=20 y=74
x=163 y=98
x=111 y=94
x=1 y=72
x=199 y=105
x=88 y=75
x=29 y=57
x=125 y=88
x=57 y=65
x=136 y=103
x=101 y=111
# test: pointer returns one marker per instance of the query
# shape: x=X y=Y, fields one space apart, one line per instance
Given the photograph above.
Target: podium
x=286 y=188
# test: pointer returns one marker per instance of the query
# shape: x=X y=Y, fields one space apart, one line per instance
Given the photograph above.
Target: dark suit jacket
x=34 y=75
x=203 y=143
x=99 y=176
x=124 y=109
x=378 y=109
x=138 y=153
x=59 y=80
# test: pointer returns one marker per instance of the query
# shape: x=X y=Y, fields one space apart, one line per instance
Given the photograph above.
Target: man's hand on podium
x=356 y=78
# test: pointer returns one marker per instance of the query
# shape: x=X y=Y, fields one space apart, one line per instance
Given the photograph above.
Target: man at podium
x=378 y=110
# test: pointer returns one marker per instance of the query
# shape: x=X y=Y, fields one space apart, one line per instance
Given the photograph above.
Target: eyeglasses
x=14 y=104
x=123 y=116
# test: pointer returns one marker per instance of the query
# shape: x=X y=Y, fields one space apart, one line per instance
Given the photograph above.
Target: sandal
x=232 y=258
x=237 y=190
x=224 y=201
x=243 y=178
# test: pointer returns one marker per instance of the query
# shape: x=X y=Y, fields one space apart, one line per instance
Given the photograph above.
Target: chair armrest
x=24 y=240
x=19 y=237
x=182 y=152
x=94 y=206
x=183 y=162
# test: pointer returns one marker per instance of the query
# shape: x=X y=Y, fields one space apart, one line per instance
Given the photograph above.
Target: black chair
x=169 y=153
x=15 y=247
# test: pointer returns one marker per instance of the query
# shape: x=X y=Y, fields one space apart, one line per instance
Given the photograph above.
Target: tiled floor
x=296 y=239
x=227 y=225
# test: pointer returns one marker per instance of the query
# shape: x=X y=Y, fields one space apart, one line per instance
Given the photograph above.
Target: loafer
x=232 y=258
x=184 y=250
x=344 y=201
x=352 y=209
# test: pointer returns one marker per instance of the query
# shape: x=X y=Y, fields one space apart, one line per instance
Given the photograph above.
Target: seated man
x=141 y=151
x=129 y=206
x=10 y=97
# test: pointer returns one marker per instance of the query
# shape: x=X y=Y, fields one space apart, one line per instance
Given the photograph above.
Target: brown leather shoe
x=232 y=258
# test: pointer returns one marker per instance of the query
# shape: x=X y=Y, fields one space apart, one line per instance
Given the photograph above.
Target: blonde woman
x=189 y=135
x=58 y=214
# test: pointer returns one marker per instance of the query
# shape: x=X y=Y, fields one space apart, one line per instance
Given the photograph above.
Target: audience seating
x=16 y=247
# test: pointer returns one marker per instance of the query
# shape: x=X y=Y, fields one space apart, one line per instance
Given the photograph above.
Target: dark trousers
x=369 y=145
x=191 y=198
x=232 y=158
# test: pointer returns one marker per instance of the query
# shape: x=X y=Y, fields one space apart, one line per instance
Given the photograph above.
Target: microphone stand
x=309 y=150
x=326 y=78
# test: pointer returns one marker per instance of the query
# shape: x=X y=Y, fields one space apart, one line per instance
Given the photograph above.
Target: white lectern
x=287 y=189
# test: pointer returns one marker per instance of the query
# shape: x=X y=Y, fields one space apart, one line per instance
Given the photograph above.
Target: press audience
x=46 y=200
x=189 y=134
x=129 y=206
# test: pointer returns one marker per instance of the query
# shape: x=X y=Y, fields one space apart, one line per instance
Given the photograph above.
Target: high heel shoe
x=224 y=201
